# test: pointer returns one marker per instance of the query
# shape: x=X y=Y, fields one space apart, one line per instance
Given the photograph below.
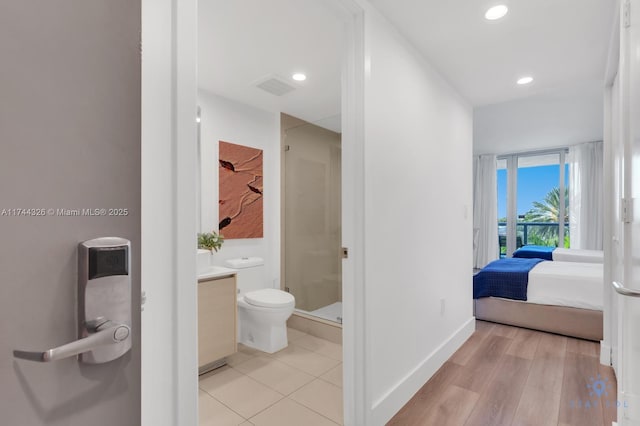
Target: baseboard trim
x=394 y=399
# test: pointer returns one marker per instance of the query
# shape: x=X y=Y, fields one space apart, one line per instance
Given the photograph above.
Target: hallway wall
x=418 y=213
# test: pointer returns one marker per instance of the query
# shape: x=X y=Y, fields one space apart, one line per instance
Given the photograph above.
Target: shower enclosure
x=312 y=265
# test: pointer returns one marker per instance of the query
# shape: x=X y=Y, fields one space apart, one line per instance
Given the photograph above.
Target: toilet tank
x=250 y=274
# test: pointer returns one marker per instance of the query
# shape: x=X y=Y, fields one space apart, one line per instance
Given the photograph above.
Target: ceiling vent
x=275 y=85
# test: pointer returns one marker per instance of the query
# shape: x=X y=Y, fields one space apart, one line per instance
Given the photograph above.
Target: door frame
x=356 y=363
x=169 y=373
x=608 y=344
x=169 y=155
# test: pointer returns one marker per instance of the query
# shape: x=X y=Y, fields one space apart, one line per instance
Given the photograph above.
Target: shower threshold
x=332 y=312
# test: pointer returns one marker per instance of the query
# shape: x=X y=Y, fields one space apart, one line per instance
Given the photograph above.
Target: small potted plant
x=208 y=242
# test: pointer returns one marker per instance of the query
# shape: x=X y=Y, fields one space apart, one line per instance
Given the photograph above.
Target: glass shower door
x=312 y=218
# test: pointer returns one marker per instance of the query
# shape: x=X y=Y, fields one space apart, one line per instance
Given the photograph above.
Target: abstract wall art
x=240 y=195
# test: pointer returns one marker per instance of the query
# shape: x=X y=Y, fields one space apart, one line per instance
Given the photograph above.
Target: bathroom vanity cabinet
x=217 y=317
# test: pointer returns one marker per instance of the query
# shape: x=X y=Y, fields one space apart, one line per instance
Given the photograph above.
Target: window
x=502 y=206
x=533 y=200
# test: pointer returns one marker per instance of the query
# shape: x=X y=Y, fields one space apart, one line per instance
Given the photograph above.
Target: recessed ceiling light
x=525 y=80
x=496 y=12
x=299 y=76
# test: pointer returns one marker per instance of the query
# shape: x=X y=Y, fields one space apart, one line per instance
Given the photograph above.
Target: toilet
x=262 y=312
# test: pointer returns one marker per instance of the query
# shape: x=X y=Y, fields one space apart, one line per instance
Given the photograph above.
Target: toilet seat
x=269 y=298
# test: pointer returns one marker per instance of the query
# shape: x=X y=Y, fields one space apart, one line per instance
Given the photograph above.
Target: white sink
x=214 y=272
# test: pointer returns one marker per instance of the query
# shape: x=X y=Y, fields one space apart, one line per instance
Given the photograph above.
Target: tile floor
x=300 y=385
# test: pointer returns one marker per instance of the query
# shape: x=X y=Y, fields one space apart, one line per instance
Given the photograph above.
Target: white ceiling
x=244 y=41
x=563 y=44
x=549 y=120
x=559 y=42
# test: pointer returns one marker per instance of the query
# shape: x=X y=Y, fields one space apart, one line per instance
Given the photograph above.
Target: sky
x=534 y=183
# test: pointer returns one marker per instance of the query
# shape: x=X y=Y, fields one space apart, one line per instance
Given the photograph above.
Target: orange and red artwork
x=240 y=195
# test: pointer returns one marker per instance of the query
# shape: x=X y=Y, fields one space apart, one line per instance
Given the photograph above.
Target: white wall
x=418 y=219
x=549 y=120
x=230 y=121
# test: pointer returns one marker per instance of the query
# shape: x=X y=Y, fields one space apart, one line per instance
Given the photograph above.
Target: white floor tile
x=293 y=334
x=321 y=346
x=321 y=397
x=275 y=374
x=308 y=361
x=333 y=376
x=213 y=413
x=239 y=392
x=290 y=413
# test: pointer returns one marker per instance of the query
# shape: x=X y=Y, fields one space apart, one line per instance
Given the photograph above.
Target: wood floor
x=507 y=375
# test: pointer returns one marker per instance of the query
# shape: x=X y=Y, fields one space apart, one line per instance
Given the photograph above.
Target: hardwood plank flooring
x=548 y=363
x=419 y=407
x=466 y=351
x=507 y=375
x=540 y=401
x=500 y=398
x=609 y=408
x=584 y=347
x=453 y=407
x=484 y=327
x=525 y=343
x=478 y=370
x=580 y=406
x=504 y=330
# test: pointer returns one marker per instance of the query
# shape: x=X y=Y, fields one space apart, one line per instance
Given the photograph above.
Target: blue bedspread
x=506 y=278
x=534 y=252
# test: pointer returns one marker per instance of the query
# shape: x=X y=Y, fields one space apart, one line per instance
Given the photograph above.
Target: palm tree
x=548 y=211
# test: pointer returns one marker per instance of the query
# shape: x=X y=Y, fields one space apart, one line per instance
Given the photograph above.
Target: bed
x=559 y=254
x=558 y=297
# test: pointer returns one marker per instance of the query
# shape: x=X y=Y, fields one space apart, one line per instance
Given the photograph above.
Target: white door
x=628 y=301
x=69 y=148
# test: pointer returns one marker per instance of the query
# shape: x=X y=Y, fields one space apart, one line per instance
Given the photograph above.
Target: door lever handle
x=625 y=291
x=106 y=333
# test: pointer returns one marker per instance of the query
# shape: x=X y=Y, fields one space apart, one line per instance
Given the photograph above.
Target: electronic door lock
x=104 y=305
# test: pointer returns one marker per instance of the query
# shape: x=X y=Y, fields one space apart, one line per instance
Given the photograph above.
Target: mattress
x=573 y=284
x=578 y=255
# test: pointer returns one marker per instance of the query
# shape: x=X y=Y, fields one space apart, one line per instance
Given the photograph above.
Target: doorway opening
x=251 y=93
